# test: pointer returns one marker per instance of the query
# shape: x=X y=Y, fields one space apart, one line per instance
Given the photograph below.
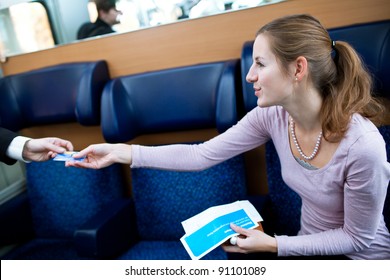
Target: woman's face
x=271 y=85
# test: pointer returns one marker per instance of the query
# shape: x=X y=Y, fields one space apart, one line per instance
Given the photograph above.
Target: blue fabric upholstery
x=199 y=96
x=163 y=199
x=166 y=250
x=109 y=232
x=284 y=203
x=45 y=249
x=61 y=93
x=371 y=41
x=385 y=131
x=63 y=200
x=185 y=98
x=16 y=209
x=250 y=100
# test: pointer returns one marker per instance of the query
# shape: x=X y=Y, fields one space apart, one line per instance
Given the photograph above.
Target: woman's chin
x=262 y=103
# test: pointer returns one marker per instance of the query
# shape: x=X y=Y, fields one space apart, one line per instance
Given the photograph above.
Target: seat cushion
x=44 y=249
x=166 y=250
x=284 y=202
x=62 y=199
x=163 y=199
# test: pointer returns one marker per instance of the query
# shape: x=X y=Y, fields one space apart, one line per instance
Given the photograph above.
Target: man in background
x=108 y=15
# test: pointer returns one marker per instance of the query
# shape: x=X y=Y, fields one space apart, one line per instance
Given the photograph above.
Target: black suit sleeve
x=6 y=137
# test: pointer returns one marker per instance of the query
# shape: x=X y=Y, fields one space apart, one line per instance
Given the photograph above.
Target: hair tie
x=335 y=53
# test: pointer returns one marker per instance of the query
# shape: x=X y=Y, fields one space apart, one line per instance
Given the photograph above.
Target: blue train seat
x=58 y=201
x=61 y=93
x=185 y=98
x=372 y=42
x=385 y=131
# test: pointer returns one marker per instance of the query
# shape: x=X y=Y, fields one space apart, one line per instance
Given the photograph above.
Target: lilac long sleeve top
x=342 y=202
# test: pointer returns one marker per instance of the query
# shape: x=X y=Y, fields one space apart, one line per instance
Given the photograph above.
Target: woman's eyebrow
x=258 y=58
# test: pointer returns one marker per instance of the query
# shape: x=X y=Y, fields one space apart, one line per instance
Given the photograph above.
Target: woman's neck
x=305 y=109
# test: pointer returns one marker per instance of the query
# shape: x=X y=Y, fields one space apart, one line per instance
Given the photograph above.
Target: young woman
x=315 y=103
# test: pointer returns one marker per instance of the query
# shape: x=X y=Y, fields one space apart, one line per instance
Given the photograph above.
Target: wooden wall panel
x=212 y=38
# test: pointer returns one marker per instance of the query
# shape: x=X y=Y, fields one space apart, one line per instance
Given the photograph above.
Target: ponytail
x=350 y=93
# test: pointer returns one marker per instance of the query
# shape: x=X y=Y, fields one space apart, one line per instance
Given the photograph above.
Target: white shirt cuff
x=15 y=149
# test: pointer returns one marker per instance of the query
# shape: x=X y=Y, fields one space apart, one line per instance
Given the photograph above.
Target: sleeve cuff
x=281 y=240
x=134 y=156
x=15 y=149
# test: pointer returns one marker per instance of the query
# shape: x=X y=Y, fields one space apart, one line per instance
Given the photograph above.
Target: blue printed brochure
x=210 y=228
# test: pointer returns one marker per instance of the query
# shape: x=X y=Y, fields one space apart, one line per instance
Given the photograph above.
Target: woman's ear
x=300 y=68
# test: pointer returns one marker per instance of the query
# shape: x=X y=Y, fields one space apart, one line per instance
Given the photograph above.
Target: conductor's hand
x=43 y=149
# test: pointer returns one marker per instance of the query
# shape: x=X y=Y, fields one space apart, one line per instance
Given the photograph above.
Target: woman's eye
x=259 y=64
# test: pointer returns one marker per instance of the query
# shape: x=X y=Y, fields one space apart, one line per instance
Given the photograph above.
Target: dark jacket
x=96 y=28
x=6 y=137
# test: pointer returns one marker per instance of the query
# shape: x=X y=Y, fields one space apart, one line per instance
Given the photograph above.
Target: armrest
x=112 y=231
x=16 y=220
x=258 y=201
x=263 y=205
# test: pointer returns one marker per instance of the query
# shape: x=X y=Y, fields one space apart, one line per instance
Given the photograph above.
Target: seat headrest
x=61 y=93
x=370 y=40
x=250 y=100
x=184 y=98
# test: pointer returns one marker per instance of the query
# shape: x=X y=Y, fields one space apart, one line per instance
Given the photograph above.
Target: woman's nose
x=251 y=77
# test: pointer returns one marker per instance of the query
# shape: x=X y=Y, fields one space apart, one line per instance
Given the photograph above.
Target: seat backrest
x=385 y=131
x=250 y=100
x=63 y=199
x=284 y=203
x=163 y=199
x=370 y=40
x=61 y=93
x=185 y=98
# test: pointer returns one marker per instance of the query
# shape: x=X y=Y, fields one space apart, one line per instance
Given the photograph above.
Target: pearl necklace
x=316 y=148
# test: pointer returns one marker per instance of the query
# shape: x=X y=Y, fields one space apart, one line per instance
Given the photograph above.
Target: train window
x=32 y=25
x=138 y=14
x=12 y=180
x=24 y=27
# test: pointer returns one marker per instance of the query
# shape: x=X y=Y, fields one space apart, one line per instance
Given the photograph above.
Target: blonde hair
x=335 y=69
